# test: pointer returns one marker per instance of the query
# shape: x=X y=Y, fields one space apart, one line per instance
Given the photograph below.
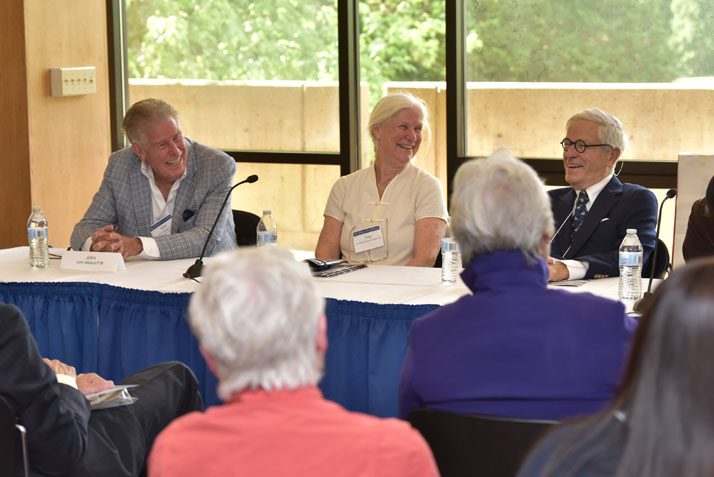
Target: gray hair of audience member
x=256 y=313
x=390 y=105
x=610 y=129
x=499 y=203
x=146 y=111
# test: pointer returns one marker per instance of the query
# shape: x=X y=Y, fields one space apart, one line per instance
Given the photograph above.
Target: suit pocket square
x=605 y=219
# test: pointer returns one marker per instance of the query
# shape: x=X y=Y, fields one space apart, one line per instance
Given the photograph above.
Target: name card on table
x=93 y=261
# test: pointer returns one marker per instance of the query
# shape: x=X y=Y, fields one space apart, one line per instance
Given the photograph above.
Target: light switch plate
x=73 y=81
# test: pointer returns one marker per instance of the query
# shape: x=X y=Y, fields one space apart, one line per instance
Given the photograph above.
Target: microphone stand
x=194 y=271
x=639 y=305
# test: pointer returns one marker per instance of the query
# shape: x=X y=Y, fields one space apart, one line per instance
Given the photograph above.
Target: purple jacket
x=516 y=348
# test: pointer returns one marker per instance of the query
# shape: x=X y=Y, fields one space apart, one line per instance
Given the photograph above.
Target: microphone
x=639 y=305
x=565 y=220
x=194 y=270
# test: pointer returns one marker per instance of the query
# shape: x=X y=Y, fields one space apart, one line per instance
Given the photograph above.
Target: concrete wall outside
x=527 y=118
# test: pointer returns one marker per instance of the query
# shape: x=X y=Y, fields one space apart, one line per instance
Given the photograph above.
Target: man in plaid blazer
x=160 y=196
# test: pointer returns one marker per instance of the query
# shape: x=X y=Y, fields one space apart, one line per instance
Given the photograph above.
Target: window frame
x=652 y=174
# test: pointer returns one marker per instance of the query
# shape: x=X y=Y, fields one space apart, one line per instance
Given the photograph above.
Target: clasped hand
x=106 y=239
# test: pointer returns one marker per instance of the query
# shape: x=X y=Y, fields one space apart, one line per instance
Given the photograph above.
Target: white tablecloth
x=375 y=284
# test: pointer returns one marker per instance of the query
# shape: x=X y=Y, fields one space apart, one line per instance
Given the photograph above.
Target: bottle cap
x=632 y=231
x=266 y=212
x=36 y=207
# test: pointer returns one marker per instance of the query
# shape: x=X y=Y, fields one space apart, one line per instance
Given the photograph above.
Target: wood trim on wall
x=15 y=180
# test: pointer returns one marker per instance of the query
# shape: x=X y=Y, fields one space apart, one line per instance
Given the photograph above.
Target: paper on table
x=569 y=283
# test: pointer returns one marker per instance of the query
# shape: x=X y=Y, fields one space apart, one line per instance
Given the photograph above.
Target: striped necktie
x=580 y=211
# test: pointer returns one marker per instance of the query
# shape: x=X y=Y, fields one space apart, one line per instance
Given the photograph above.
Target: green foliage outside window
x=507 y=40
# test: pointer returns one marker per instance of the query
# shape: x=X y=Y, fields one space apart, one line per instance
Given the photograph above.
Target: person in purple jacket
x=515 y=348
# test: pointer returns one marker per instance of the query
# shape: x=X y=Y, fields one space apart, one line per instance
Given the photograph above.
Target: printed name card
x=93 y=261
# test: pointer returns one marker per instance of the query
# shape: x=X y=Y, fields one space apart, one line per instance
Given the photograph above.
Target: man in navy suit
x=160 y=196
x=64 y=436
x=593 y=215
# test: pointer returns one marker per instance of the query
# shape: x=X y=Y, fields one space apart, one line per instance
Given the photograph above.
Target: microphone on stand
x=639 y=305
x=565 y=220
x=194 y=270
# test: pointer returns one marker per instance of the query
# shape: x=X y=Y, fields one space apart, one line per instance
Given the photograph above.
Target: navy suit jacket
x=56 y=415
x=617 y=208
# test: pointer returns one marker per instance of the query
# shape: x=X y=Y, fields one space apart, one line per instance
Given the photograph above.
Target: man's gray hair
x=610 y=129
x=499 y=203
x=145 y=112
x=256 y=313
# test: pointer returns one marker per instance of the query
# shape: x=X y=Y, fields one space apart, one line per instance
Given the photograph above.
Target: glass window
x=531 y=64
x=244 y=74
x=402 y=49
x=259 y=75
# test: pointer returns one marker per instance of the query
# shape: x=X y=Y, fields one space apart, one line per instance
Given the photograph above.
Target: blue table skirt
x=117 y=331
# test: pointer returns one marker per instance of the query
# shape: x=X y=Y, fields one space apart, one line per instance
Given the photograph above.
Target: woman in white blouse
x=391 y=213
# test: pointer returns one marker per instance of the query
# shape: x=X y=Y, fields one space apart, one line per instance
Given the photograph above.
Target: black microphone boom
x=194 y=271
x=639 y=304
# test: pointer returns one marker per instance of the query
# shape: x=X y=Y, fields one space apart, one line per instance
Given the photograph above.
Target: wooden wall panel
x=14 y=140
x=69 y=136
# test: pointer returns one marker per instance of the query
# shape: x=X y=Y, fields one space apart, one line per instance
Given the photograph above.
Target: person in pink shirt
x=261 y=327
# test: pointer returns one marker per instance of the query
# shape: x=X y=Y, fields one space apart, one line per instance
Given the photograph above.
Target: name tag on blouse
x=368 y=239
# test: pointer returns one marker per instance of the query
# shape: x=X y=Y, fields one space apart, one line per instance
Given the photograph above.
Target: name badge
x=162 y=227
x=92 y=261
x=368 y=239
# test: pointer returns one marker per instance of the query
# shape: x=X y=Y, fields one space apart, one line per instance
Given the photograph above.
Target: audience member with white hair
x=514 y=348
x=261 y=327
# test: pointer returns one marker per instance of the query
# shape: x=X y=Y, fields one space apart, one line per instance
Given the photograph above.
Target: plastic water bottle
x=450 y=260
x=267 y=231
x=37 y=237
x=630 y=286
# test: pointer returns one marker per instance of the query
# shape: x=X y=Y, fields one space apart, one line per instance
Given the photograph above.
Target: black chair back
x=662 y=263
x=13 y=445
x=475 y=445
x=246 y=223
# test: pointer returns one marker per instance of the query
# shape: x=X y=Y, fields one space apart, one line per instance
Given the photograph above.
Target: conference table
x=116 y=323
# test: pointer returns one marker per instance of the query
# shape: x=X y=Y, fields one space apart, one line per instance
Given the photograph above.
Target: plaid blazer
x=124 y=200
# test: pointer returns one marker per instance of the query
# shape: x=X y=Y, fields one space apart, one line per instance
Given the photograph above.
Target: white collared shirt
x=577 y=268
x=160 y=209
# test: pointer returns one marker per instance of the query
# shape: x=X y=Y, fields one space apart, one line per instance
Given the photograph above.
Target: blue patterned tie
x=580 y=211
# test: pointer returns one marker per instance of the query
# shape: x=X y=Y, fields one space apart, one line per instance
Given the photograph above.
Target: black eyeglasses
x=580 y=145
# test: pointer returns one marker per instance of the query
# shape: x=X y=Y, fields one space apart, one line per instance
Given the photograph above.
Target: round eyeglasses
x=580 y=145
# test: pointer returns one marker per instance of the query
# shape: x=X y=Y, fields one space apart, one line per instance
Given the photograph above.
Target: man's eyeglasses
x=580 y=145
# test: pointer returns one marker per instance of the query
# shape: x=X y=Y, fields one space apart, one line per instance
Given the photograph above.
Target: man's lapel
x=184 y=194
x=561 y=210
x=142 y=200
x=606 y=200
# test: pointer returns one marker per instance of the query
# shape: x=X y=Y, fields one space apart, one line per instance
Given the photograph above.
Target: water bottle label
x=36 y=233
x=267 y=238
x=630 y=259
x=449 y=245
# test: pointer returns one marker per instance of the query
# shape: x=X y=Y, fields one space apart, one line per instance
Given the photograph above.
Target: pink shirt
x=285 y=433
